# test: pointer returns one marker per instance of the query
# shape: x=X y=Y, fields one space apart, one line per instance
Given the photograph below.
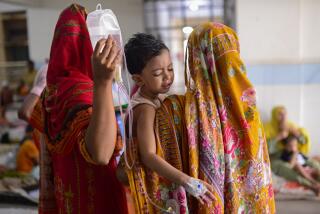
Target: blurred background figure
x=28 y=153
x=30 y=74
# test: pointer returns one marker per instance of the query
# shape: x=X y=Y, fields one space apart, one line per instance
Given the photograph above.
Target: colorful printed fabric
x=70 y=181
x=151 y=192
x=227 y=146
x=69 y=78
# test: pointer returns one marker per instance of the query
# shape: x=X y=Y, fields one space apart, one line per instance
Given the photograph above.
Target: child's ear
x=138 y=80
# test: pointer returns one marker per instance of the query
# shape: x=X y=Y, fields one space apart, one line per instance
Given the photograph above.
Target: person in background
x=308 y=168
x=28 y=153
x=30 y=75
x=279 y=128
x=32 y=98
x=4 y=127
x=277 y=131
x=6 y=95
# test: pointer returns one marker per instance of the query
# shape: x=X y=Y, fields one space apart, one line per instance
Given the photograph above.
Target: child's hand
x=200 y=190
x=105 y=59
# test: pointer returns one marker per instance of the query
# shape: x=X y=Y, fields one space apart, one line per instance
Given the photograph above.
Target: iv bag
x=101 y=24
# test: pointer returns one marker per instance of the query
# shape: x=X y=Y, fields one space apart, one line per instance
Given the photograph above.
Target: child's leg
x=305 y=173
x=284 y=170
x=316 y=166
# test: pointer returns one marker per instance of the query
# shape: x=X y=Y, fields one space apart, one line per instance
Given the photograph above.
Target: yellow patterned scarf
x=227 y=146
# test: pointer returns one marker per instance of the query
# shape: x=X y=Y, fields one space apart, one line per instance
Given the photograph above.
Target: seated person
x=309 y=169
x=28 y=153
x=22 y=89
x=4 y=126
x=279 y=128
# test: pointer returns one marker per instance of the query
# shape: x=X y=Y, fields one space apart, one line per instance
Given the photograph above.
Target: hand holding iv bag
x=101 y=24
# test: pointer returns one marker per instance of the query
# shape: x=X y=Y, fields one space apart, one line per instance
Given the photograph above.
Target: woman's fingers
x=98 y=47
x=117 y=60
x=109 y=44
x=112 y=55
x=209 y=187
x=200 y=200
x=210 y=195
x=206 y=199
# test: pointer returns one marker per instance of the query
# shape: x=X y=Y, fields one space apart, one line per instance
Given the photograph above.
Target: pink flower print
x=270 y=191
x=206 y=142
x=210 y=61
x=158 y=195
x=231 y=139
x=223 y=114
x=249 y=96
x=191 y=137
x=216 y=163
x=192 y=109
x=183 y=210
x=217 y=25
x=179 y=195
x=245 y=124
x=217 y=209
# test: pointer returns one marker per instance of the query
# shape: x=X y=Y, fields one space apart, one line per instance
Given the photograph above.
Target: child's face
x=292 y=146
x=158 y=75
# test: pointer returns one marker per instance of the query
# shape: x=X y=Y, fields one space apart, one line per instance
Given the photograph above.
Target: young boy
x=306 y=167
x=149 y=63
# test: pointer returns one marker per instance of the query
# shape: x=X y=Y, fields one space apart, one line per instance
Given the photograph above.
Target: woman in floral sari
x=78 y=122
x=227 y=146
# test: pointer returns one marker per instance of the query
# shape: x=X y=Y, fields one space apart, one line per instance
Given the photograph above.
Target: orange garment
x=27 y=154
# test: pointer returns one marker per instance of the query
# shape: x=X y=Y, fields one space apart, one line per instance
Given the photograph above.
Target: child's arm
x=147 y=150
x=293 y=159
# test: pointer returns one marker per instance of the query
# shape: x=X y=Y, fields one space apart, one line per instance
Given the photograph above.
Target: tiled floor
x=283 y=207
x=298 y=207
x=17 y=209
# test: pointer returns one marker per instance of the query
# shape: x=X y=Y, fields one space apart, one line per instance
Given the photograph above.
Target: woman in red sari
x=80 y=140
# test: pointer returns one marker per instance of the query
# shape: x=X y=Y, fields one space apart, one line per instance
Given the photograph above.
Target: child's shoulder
x=144 y=109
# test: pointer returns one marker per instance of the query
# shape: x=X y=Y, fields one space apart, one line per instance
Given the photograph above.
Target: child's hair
x=289 y=139
x=140 y=49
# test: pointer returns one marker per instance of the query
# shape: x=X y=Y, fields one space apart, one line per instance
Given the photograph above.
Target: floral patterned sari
x=227 y=146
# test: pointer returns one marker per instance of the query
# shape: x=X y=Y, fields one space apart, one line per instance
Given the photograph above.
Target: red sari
x=70 y=181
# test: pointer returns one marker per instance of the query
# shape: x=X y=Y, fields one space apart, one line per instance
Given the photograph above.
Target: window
x=173 y=21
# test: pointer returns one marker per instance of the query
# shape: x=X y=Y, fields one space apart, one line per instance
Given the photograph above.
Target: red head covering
x=69 y=78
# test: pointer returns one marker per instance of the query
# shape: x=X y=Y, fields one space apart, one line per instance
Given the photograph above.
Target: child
x=149 y=63
x=306 y=167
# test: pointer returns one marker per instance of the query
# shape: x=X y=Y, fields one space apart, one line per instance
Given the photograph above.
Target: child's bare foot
x=316 y=191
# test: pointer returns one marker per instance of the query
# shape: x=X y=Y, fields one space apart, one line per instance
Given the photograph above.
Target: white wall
x=269 y=30
x=284 y=34
x=310 y=30
x=41 y=24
